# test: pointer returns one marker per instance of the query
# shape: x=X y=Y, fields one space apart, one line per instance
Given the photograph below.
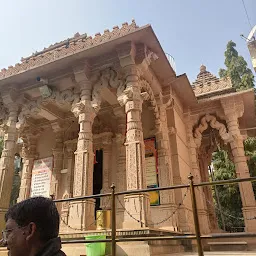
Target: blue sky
x=195 y=32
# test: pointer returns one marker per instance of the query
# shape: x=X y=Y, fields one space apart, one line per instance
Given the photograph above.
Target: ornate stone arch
x=205 y=122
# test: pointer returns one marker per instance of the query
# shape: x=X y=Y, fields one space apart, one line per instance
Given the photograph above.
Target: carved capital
x=234 y=106
x=84 y=111
x=131 y=94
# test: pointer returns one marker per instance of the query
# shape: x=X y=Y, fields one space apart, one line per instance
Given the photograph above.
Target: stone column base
x=81 y=215
x=203 y=221
x=136 y=206
x=162 y=217
x=249 y=214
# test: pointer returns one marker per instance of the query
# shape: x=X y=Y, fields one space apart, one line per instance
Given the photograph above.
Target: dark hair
x=40 y=210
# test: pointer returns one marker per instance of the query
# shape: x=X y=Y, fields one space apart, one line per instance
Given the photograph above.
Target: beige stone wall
x=180 y=162
x=46 y=143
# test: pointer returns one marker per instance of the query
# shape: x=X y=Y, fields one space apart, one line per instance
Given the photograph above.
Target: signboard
x=151 y=169
x=151 y=174
x=41 y=177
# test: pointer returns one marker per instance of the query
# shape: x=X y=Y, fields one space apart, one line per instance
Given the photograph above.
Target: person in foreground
x=32 y=228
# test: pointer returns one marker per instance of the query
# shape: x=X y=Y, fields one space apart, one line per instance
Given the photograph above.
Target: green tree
x=236 y=68
x=229 y=196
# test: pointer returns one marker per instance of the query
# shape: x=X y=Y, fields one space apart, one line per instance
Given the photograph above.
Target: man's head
x=30 y=224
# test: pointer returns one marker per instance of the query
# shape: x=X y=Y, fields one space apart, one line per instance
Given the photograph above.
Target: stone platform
x=216 y=246
x=145 y=248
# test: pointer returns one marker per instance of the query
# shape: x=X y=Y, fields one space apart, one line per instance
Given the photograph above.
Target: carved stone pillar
x=233 y=110
x=7 y=161
x=67 y=183
x=137 y=205
x=121 y=152
x=57 y=152
x=201 y=202
x=68 y=176
x=165 y=169
x=121 y=156
x=204 y=159
x=107 y=149
x=82 y=213
x=29 y=154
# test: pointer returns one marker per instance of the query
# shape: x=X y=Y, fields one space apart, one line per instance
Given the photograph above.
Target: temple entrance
x=97 y=177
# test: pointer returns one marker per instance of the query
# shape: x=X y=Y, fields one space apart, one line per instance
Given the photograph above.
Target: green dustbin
x=95 y=249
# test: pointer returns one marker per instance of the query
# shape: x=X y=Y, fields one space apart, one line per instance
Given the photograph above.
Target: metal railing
x=171 y=61
x=197 y=236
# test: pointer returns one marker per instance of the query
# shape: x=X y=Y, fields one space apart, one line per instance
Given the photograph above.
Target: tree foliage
x=236 y=68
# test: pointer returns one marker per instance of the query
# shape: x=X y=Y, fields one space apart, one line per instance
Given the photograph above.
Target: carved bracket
x=106 y=78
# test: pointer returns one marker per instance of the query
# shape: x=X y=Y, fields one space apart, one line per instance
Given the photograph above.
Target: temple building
x=88 y=112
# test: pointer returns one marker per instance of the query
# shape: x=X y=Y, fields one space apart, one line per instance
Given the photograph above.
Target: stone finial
x=207 y=83
x=202 y=68
x=77 y=34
